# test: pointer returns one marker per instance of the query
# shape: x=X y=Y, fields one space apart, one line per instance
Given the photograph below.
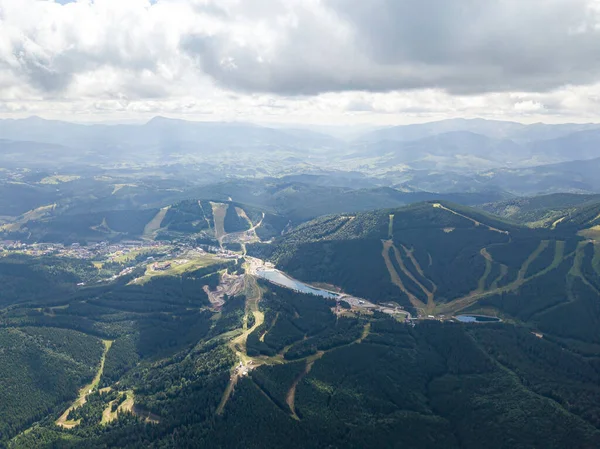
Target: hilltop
x=439 y=258
x=173 y=340
x=556 y=211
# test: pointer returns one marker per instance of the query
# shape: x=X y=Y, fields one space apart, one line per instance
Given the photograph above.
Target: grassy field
x=242 y=214
x=592 y=233
x=109 y=416
x=219 y=211
x=127 y=257
x=462 y=303
x=579 y=255
x=475 y=222
x=290 y=398
x=407 y=273
x=120 y=186
x=154 y=225
x=488 y=270
x=238 y=344
x=395 y=277
x=539 y=250
x=82 y=398
x=178 y=267
x=596 y=259
x=58 y=179
x=34 y=214
x=103 y=227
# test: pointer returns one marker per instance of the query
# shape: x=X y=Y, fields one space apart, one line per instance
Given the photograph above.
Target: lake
x=477 y=319
x=281 y=279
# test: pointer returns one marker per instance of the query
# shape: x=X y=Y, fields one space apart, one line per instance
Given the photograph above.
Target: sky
x=376 y=62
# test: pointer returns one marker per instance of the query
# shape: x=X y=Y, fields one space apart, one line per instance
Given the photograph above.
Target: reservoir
x=477 y=319
x=281 y=279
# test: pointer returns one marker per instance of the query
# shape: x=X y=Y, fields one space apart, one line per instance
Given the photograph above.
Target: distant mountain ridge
x=466 y=150
x=491 y=128
x=578 y=176
x=556 y=211
x=158 y=129
x=447 y=156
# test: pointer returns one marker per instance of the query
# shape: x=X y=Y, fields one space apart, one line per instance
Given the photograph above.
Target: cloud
x=405 y=58
x=462 y=46
x=53 y=47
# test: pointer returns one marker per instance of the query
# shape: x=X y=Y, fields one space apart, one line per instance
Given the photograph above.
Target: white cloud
x=301 y=60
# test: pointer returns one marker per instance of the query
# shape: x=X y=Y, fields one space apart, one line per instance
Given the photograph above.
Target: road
x=244 y=363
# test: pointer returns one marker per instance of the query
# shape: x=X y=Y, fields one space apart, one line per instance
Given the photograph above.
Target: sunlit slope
x=560 y=210
x=440 y=258
x=189 y=218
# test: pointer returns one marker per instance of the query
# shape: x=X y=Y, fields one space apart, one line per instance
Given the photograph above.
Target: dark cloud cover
x=136 y=50
x=461 y=46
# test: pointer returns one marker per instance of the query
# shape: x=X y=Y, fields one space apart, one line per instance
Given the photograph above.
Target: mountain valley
x=390 y=300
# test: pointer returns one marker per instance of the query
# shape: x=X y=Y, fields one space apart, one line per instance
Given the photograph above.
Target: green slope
x=322 y=376
x=549 y=211
x=460 y=259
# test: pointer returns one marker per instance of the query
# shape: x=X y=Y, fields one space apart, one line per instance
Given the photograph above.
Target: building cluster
x=243 y=370
x=161 y=266
x=112 y=251
x=14 y=174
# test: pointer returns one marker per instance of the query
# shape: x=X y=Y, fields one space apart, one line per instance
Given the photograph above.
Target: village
x=125 y=250
x=161 y=257
x=79 y=251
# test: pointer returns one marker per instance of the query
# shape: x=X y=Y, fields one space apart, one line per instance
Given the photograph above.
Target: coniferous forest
x=156 y=357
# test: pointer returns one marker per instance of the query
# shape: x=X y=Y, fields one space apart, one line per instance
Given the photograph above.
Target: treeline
x=343 y=332
x=232 y=315
x=342 y=263
x=41 y=370
x=289 y=317
x=188 y=216
x=438 y=385
x=234 y=222
x=161 y=315
x=534 y=296
x=44 y=279
x=112 y=225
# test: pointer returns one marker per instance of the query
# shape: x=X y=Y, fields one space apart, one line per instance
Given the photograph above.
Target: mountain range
x=447 y=156
x=166 y=343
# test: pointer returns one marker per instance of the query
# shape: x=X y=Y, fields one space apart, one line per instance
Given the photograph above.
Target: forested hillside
x=441 y=258
x=549 y=211
x=51 y=341
x=181 y=220
x=412 y=254
x=169 y=345
x=367 y=381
